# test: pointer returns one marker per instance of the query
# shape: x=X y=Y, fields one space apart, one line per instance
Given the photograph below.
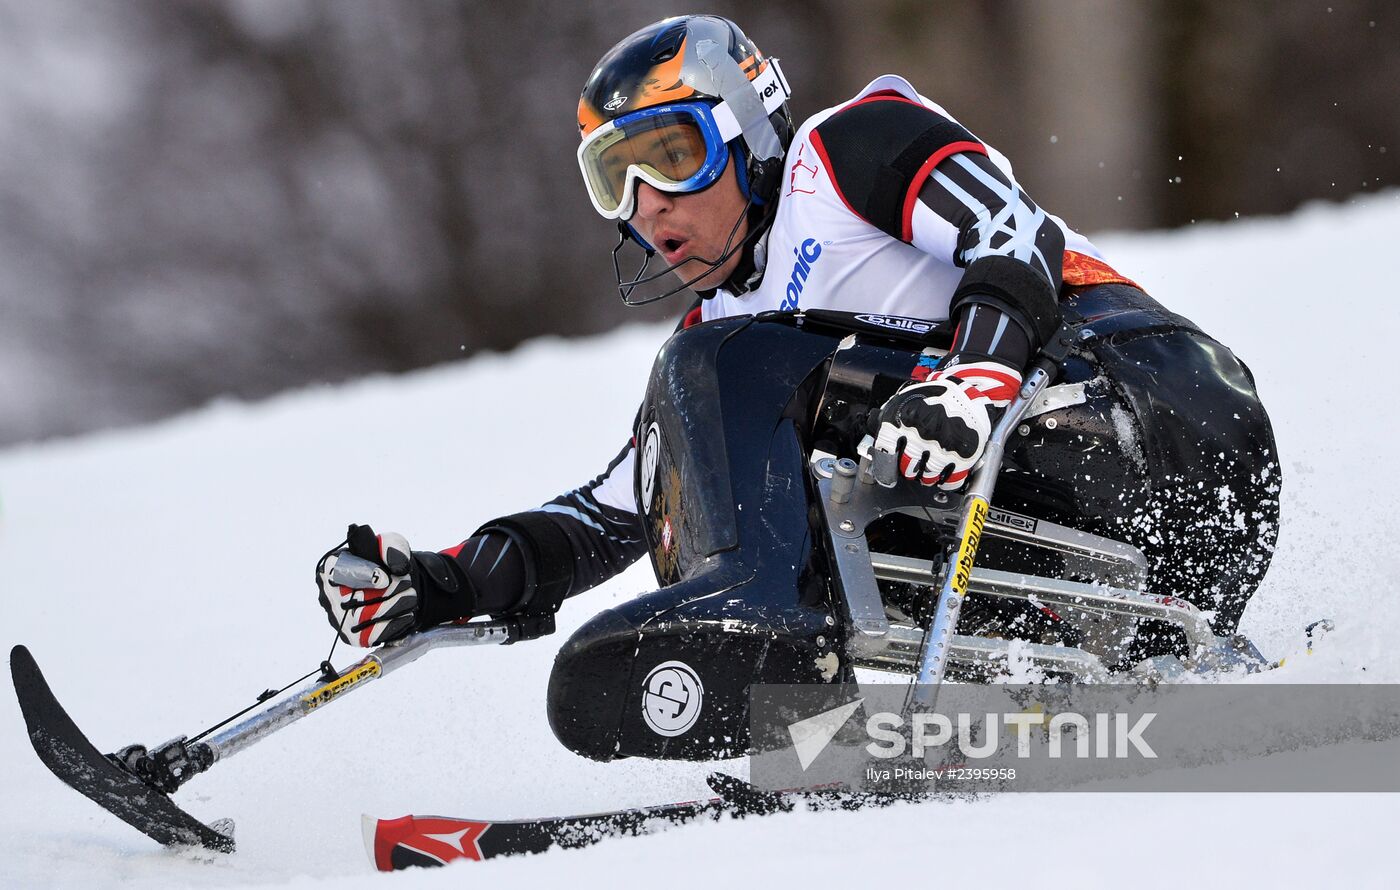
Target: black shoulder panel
x=879 y=150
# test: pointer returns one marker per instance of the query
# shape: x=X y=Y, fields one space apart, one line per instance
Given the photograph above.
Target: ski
x=431 y=841
x=426 y=841
x=72 y=758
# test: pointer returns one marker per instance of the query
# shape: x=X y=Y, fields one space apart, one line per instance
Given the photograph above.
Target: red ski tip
x=422 y=841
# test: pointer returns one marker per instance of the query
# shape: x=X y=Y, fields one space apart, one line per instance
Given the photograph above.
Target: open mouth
x=670 y=244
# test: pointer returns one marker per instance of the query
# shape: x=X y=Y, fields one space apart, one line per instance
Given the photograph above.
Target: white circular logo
x=651 y=456
x=671 y=698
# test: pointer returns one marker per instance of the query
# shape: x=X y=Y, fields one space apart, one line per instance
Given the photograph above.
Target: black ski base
x=72 y=758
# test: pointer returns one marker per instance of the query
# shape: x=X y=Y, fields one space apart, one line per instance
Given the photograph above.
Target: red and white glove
x=938 y=428
x=384 y=605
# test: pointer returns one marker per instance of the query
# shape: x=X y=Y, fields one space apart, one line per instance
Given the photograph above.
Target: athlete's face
x=687 y=229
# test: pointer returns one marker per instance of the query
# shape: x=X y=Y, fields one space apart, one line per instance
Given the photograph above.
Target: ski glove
x=938 y=428
x=386 y=607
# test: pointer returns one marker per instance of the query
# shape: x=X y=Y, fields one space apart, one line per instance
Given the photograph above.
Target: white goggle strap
x=745 y=105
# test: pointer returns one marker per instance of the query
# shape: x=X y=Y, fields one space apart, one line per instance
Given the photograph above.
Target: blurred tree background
x=206 y=197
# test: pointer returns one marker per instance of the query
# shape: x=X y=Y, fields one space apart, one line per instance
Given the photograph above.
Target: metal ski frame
x=169 y=766
x=382 y=661
x=852 y=499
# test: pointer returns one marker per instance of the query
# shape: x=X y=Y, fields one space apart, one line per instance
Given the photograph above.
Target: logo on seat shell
x=672 y=696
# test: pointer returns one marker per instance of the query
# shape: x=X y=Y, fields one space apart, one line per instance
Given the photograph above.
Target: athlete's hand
x=936 y=430
x=382 y=606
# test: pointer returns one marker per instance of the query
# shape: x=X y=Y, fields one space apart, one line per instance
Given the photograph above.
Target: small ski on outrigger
x=430 y=841
x=135 y=783
x=101 y=778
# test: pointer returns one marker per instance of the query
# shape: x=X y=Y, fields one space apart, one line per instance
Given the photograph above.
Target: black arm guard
x=549 y=560
x=1015 y=288
x=444 y=591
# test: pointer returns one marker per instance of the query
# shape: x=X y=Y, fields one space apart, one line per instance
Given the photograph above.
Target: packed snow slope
x=163 y=577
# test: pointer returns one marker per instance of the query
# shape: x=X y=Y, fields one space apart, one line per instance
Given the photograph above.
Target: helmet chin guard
x=626 y=232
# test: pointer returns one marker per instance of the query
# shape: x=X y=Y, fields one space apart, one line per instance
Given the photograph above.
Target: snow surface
x=162 y=577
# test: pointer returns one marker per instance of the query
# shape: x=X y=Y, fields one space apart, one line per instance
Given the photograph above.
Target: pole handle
x=933 y=655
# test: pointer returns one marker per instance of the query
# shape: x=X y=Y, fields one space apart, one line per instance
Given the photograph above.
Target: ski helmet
x=692 y=85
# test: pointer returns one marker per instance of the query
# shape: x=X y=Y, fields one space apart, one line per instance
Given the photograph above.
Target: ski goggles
x=675 y=148
x=678 y=148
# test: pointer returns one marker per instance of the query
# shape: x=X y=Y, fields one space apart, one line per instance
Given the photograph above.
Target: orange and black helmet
x=698 y=58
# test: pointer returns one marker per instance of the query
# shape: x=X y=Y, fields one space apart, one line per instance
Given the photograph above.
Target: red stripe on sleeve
x=925 y=169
